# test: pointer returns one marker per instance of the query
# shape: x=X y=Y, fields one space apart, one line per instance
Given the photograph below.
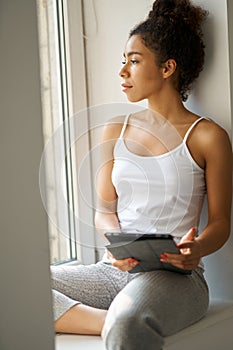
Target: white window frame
x=70 y=100
x=78 y=101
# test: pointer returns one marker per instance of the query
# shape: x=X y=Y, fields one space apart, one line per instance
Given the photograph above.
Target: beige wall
x=25 y=302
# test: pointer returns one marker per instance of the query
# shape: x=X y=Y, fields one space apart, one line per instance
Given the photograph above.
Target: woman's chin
x=134 y=99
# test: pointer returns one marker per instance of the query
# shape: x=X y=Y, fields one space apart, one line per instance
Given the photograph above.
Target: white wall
x=211 y=96
x=107 y=25
x=25 y=298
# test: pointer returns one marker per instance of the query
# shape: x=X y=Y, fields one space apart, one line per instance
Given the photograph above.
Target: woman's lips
x=126 y=87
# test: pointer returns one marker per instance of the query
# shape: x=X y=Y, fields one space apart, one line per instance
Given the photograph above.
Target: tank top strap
x=191 y=128
x=124 y=126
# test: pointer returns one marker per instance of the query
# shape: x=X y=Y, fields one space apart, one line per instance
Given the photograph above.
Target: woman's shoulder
x=209 y=142
x=210 y=132
x=113 y=127
x=211 y=139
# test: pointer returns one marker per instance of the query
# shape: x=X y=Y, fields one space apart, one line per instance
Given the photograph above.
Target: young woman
x=157 y=166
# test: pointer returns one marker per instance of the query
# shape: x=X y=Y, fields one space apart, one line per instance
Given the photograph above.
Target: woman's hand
x=123 y=264
x=190 y=252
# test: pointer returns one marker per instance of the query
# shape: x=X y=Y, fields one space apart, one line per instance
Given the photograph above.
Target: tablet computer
x=146 y=248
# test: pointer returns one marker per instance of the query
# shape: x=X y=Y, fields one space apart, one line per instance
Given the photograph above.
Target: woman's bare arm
x=218 y=155
x=106 y=217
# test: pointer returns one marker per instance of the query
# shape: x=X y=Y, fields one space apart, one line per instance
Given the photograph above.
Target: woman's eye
x=133 y=61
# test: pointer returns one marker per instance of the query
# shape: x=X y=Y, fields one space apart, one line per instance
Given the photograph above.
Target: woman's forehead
x=135 y=45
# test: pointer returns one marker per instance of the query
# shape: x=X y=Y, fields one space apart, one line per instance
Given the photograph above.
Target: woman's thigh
x=95 y=285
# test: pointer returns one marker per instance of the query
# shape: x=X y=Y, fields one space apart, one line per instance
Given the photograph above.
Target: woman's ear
x=169 y=67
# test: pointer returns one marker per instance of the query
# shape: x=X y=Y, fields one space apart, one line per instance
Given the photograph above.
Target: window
x=58 y=25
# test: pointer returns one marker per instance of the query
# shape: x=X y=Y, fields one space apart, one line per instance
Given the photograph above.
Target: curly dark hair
x=173 y=30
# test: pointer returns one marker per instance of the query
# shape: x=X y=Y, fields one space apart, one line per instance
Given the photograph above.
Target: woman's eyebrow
x=132 y=53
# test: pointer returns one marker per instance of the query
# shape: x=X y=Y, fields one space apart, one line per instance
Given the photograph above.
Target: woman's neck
x=168 y=105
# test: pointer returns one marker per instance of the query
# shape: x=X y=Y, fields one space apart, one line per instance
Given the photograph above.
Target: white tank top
x=162 y=194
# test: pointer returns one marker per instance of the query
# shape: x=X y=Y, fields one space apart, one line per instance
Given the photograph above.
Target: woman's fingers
x=125 y=264
x=186 y=260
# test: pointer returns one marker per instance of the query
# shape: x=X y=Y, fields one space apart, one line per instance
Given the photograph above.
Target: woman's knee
x=131 y=329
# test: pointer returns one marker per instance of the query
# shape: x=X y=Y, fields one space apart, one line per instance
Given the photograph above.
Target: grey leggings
x=144 y=307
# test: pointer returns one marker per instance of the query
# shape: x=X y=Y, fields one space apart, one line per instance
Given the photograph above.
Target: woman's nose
x=123 y=72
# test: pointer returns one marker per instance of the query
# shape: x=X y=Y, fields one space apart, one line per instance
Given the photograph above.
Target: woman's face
x=141 y=77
